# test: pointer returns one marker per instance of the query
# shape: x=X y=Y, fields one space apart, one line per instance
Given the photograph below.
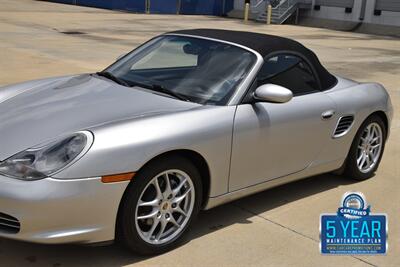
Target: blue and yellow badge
x=353 y=229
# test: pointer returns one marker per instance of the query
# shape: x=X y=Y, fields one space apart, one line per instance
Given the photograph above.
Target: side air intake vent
x=343 y=125
x=9 y=224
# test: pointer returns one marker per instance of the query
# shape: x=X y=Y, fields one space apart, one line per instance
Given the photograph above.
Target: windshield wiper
x=164 y=90
x=112 y=77
x=154 y=87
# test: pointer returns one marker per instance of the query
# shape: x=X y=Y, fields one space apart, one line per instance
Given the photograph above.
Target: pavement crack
x=364 y=261
x=294 y=231
x=276 y=223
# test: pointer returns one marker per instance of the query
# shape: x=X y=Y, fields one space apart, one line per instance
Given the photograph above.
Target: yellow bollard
x=246 y=12
x=269 y=14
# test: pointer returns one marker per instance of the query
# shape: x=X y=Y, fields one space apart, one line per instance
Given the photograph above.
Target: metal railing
x=281 y=9
x=258 y=6
x=284 y=7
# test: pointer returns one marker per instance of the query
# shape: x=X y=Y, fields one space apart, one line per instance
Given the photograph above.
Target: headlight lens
x=43 y=160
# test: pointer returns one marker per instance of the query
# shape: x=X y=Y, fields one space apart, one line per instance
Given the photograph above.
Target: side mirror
x=273 y=93
x=121 y=56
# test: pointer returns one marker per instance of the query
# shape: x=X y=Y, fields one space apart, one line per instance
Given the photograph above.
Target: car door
x=272 y=140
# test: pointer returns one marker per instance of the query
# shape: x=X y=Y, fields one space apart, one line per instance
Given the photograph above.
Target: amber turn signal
x=117 y=177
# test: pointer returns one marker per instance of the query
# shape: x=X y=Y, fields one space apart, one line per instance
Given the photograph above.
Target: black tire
x=126 y=227
x=351 y=169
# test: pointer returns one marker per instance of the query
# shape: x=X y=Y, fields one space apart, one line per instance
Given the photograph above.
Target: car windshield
x=188 y=68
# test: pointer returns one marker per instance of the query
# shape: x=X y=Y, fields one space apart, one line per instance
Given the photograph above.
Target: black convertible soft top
x=265 y=45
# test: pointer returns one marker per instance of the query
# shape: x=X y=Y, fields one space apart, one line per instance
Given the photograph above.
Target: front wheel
x=159 y=205
x=367 y=149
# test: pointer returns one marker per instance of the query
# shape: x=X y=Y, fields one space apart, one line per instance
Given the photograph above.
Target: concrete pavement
x=275 y=227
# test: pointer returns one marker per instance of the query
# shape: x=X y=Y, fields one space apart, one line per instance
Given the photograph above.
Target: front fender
x=126 y=146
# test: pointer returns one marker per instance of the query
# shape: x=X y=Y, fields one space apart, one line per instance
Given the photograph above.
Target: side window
x=288 y=71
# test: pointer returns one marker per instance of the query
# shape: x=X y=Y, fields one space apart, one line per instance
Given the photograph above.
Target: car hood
x=38 y=111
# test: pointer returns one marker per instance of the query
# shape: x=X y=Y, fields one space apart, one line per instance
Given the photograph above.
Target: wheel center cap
x=165 y=206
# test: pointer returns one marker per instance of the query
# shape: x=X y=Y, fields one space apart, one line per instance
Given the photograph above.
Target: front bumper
x=57 y=211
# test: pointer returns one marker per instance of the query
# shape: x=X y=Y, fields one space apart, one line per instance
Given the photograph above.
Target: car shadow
x=207 y=223
x=245 y=208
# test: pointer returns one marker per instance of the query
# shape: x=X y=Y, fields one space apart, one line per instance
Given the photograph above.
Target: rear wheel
x=159 y=205
x=367 y=149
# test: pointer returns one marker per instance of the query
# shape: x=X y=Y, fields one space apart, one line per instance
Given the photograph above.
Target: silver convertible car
x=187 y=121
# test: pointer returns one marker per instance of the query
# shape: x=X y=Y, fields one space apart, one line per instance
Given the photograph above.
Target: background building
x=189 y=7
x=374 y=16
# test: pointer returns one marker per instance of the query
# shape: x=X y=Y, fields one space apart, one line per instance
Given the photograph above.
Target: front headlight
x=46 y=159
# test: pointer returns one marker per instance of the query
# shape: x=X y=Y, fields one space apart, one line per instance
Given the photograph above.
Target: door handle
x=327 y=114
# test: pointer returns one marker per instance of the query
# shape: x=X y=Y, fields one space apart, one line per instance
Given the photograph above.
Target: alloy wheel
x=164 y=207
x=369 y=147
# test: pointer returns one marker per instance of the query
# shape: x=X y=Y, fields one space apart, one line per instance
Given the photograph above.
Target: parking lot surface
x=275 y=227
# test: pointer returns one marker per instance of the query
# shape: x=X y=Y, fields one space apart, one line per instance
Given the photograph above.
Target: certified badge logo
x=353 y=206
x=353 y=229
